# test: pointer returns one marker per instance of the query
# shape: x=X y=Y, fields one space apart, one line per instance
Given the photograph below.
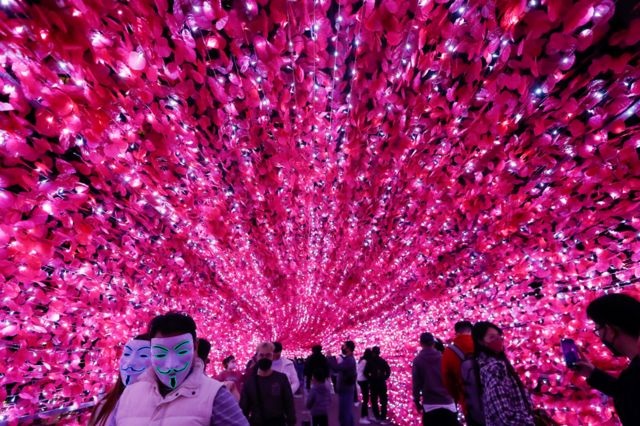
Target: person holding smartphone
x=617 y=319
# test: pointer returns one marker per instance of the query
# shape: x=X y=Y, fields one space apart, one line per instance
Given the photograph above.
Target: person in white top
x=364 y=386
x=285 y=366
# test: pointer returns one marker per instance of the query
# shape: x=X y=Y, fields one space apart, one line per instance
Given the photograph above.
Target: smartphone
x=570 y=352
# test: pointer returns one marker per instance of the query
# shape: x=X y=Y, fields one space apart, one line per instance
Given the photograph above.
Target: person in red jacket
x=452 y=359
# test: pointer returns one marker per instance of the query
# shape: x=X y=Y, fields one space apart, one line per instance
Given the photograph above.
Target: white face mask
x=136 y=357
x=172 y=358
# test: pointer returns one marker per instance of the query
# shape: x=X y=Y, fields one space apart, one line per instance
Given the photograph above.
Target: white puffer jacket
x=286 y=366
x=190 y=404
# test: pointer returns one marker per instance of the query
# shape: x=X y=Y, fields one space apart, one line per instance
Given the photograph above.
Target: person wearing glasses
x=617 y=319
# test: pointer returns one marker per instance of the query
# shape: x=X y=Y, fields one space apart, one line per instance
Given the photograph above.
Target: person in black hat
x=429 y=393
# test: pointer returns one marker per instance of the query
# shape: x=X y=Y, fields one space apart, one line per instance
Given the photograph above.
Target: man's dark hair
x=367 y=354
x=427 y=339
x=376 y=350
x=173 y=323
x=463 y=326
x=227 y=360
x=204 y=347
x=350 y=345
x=619 y=310
x=277 y=347
x=317 y=349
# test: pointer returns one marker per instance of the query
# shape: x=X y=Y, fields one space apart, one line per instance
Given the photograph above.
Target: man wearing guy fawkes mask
x=175 y=390
x=617 y=320
x=266 y=397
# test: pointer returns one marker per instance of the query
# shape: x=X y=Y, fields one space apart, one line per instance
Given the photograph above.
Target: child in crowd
x=319 y=399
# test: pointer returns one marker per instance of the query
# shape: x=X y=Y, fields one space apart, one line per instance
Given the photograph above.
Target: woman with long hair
x=136 y=357
x=504 y=398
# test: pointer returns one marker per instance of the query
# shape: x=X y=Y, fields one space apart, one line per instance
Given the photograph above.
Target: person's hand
x=583 y=367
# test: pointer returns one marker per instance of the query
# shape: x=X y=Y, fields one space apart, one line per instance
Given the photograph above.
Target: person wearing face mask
x=136 y=357
x=346 y=368
x=231 y=377
x=617 y=319
x=504 y=398
x=175 y=390
x=266 y=397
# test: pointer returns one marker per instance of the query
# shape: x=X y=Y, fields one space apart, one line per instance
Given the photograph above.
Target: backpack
x=378 y=369
x=471 y=385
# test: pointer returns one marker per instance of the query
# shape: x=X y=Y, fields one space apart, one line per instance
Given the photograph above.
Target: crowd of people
x=471 y=380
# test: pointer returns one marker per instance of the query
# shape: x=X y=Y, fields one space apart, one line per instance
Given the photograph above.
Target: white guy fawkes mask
x=136 y=357
x=172 y=358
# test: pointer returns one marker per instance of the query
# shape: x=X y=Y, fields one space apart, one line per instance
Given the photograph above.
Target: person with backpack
x=377 y=372
x=345 y=366
x=503 y=399
x=429 y=393
x=452 y=358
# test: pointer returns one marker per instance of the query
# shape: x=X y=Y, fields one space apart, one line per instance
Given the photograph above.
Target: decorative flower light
x=309 y=172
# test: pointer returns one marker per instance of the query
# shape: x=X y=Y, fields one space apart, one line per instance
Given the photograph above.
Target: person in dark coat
x=430 y=395
x=315 y=362
x=377 y=372
x=345 y=366
x=617 y=319
x=266 y=398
